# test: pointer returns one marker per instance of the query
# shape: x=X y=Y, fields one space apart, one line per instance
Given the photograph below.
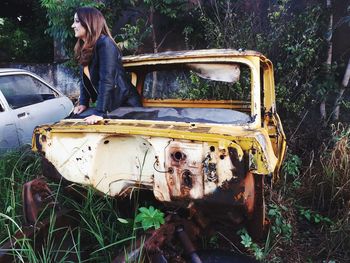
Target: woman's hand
x=79 y=109
x=93 y=119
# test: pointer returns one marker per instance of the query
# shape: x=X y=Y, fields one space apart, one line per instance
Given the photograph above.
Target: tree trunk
x=344 y=84
x=329 y=59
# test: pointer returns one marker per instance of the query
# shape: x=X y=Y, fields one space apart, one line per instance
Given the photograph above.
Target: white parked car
x=26 y=101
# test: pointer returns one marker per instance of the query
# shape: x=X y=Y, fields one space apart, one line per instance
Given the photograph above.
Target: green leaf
x=122 y=220
x=9 y=209
x=258 y=253
x=150 y=217
x=246 y=240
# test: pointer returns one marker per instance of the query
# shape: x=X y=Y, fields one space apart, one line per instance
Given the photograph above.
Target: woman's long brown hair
x=95 y=25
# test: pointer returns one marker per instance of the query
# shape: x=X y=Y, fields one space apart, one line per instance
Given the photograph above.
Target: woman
x=103 y=79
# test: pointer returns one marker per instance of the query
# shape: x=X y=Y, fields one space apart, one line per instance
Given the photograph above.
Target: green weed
x=149 y=217
x=313 y=217
x=291 y=171
x=280 y=226
x=248 y=243
x=292 y=165
x=280 y=232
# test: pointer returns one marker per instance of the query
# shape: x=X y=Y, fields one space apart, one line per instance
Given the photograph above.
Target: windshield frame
x=138 y=72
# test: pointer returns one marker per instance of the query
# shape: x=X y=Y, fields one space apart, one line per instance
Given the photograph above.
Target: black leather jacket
x=108 y=83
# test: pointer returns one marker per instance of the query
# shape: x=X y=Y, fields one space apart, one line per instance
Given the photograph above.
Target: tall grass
x=101 y=235
x=16 y=168
x=103 y=231
x=320 y=195
x=335 y=184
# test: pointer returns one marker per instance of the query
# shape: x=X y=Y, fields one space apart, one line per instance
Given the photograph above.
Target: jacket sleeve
x=84 y=98
x=108 y=60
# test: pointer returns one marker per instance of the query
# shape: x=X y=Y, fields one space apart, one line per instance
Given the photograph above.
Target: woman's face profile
x=79 y=30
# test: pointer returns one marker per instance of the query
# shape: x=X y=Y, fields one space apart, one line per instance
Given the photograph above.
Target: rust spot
x=36 y=196
x=161 y=126
x=239 y=165
x=142 y=125
x=187 y=178
x=180 y=128
x=249 y=192
x=238 y=197
x=126 y=124
x=201 y=129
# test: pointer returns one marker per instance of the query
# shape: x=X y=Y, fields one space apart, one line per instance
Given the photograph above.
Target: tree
x=171 y=9
x=329 y=59
x=344 y=85
x=60 y=15
x=19 y=40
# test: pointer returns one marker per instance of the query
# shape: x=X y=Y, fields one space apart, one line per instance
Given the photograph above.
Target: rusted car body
x=207 y=154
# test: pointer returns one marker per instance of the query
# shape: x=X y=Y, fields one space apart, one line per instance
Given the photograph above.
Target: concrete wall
x=58 y=75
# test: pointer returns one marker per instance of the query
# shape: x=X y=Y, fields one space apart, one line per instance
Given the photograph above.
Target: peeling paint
x=214 y=169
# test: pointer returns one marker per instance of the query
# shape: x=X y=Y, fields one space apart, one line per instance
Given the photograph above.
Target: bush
x=22 y=42
x=293 y=40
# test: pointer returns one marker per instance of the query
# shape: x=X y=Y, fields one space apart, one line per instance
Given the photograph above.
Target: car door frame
x=9 y=127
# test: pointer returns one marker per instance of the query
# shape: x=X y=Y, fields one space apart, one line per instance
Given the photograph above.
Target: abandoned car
x=206 y=137
x=27 y=101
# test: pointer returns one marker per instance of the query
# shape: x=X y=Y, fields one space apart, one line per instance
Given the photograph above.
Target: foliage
x=294 y=41
x=313 y=217
x=170 y=8
x=101 y=230
x=100 y=225
x=291 y=170
x=280 y=232
x=14 y=40
x=248 y=243
x=149 y=217
x=195 y=87
x=326 y=82
x=280 y=226
x=336 y=169
x=132 y=37
x=20 y=41
x=16 y=168
x=60 y=15
x=292 y=165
